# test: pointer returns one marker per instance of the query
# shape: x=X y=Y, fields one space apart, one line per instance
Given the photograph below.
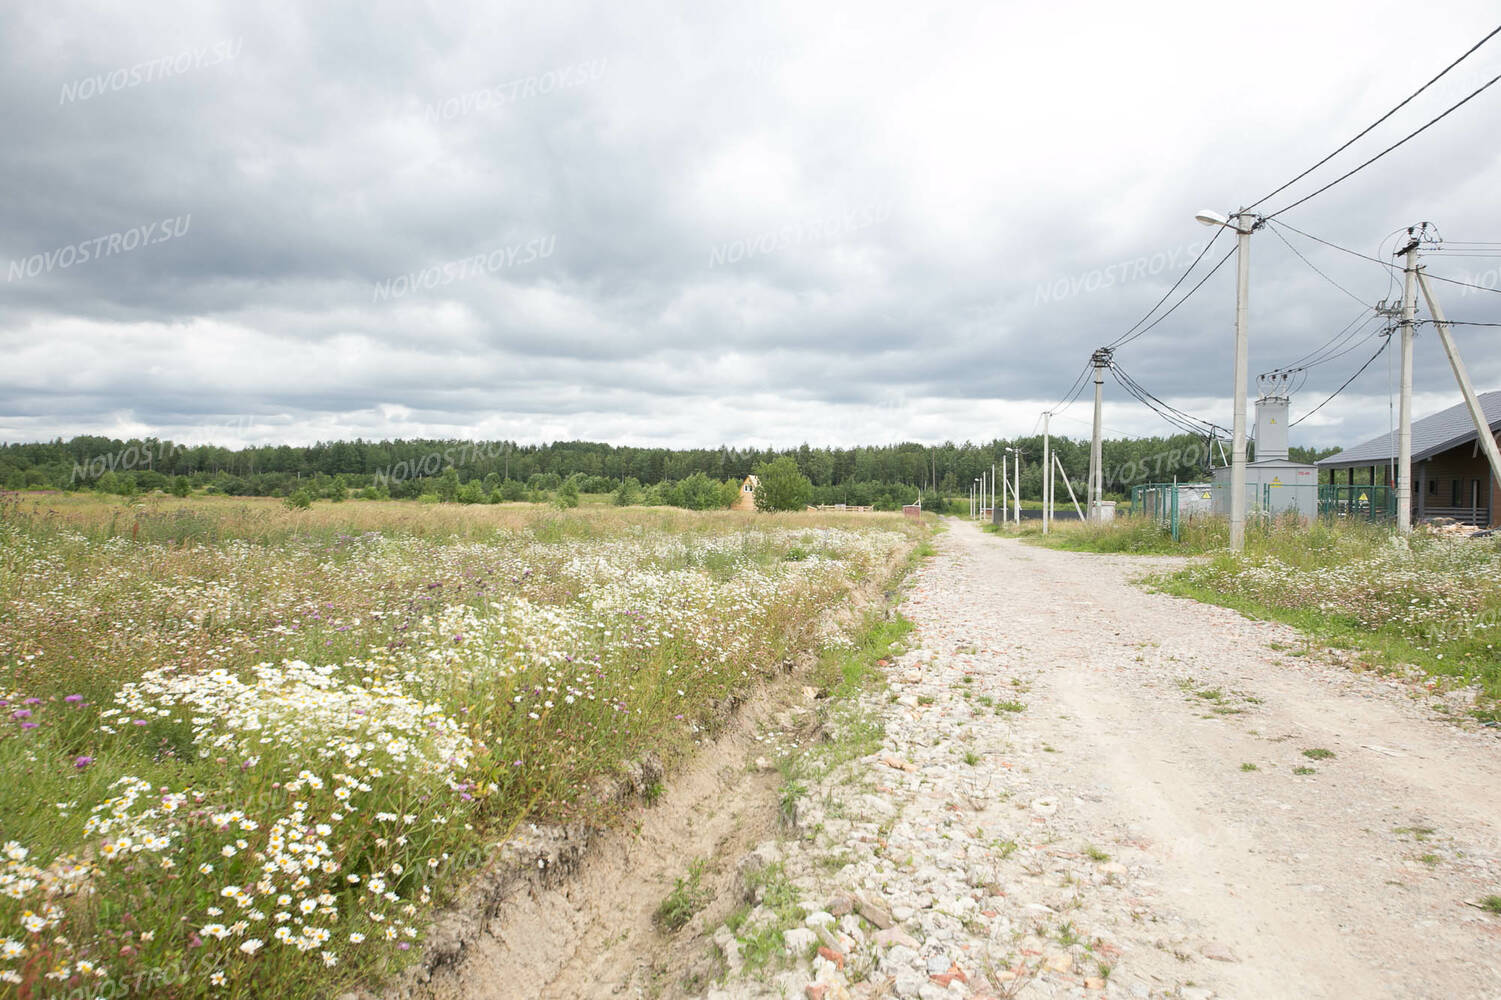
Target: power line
x=1378 y=121
x=1324 y=346
x=1383 y=263
x=1315 y=270
x=1123 y=338
x=1384 y=345
x=1073 y=390
x=1411 y=135
x=1182 y=420
x=1186 y=296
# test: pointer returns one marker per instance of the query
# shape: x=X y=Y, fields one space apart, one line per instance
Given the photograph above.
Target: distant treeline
x=882 y=475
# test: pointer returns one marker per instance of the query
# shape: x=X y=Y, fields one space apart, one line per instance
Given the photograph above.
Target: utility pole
x=1101 y=360
x=1005 y=485
x=1244 y=223
x=1404 y=411
x=1047 y=506
x=1485 y=438
x=995 y=517
x=1017 y=493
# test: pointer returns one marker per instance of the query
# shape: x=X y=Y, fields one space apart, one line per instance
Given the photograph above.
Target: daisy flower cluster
x=247 y=764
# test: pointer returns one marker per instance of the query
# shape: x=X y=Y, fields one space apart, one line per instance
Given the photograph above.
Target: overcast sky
x=703 y=223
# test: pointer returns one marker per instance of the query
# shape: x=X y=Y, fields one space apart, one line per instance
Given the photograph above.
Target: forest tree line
x=879 y=475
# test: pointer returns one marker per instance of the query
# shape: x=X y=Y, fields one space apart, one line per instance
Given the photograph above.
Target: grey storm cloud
x=703 y=223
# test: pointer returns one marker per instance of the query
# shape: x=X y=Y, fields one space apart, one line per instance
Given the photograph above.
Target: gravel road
x=1088 y=789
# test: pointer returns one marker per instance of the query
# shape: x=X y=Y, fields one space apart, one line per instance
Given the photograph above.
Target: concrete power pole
x=1245 y=223
x=1047 y=501
x=1404 y=417
x=1101 y=360
x=1485 y=439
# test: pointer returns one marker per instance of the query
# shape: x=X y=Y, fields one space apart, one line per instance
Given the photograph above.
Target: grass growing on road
x=688 y=896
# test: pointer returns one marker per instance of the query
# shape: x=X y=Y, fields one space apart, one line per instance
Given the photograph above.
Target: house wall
x=1433 y=482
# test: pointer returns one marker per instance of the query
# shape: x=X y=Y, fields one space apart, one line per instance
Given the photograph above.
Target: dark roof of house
x=1430 y=436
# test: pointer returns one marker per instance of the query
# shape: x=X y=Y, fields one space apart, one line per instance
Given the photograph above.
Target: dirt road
x=1351 y=880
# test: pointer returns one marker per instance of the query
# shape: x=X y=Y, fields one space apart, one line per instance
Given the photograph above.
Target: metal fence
x=1363 y=503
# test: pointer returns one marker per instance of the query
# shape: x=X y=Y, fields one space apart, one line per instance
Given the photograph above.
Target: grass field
x=249 y=749
x=1429 y=600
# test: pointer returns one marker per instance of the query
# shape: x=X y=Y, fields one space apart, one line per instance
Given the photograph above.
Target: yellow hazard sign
x=1363 y=498
x=1275 y=481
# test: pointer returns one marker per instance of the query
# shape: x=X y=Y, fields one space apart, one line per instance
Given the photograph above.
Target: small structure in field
x=746 y=500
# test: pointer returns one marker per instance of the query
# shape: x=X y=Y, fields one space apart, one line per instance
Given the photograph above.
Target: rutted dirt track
x=1162 y=831
x=1316 y=883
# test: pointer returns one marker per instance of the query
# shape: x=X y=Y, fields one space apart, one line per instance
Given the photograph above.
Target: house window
x=1456 y=498
x=1433 y=486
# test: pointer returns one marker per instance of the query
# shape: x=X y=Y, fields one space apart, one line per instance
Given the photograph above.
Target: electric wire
x=1127 y=337
x=1315 y=269
x=1384 y=345
x=1409 y=136
x=1338 y=337
x=1378 y=121
x=1384 y=263
x=1182 y=420
x=1186 y=296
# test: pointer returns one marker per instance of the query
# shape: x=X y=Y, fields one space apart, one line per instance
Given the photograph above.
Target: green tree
x=628 y=492
x=567 y=495
x=301 y=500
x=472 y=492
x=447 y=486
x=180 y=486
x=780 y=486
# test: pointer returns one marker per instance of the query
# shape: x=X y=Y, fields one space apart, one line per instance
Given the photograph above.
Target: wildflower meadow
x=249 y=750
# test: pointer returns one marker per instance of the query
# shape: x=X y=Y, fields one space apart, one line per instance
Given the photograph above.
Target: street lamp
x=1244 y=223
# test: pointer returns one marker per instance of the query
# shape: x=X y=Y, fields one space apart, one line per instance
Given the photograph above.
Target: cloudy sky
x=704 y=223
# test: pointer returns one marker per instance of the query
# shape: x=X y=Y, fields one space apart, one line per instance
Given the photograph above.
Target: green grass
x=1002 y=707
x=1318 y=753
x=1491 y=904
x=1304 y=769
x=1248 y=766
x=423 y=619
x=688 y=896
x=1425 y=600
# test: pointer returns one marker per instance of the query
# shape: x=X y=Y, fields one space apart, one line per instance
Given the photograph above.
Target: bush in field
x=513 y=491
x=472 y=492
x=447 y=485
x=180 y=486
x=699 y=492
x=628 y=492
x=781 y=486
x=567 y=495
